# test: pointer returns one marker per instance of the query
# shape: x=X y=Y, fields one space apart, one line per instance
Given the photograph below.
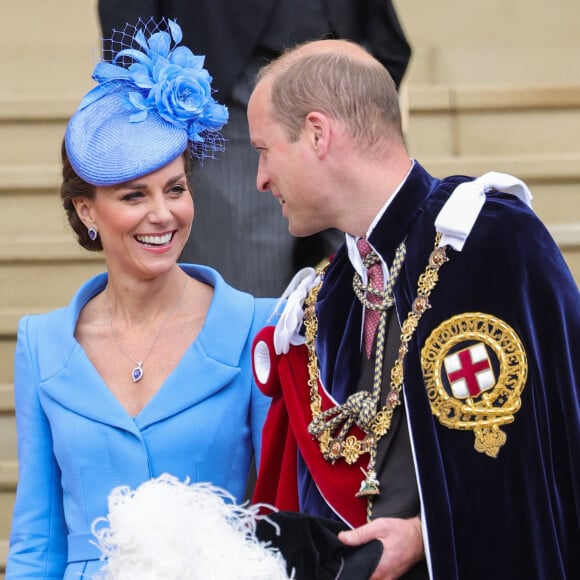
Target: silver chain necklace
x=138 y=372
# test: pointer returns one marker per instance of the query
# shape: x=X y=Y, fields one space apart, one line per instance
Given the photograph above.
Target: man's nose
x=262 y=179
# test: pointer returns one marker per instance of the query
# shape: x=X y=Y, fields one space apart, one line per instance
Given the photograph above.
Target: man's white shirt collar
x=351 y=240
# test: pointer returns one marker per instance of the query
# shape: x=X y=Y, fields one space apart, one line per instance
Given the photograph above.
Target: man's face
x=287 y=169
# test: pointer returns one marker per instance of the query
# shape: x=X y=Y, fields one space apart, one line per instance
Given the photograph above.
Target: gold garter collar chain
x=331 y=427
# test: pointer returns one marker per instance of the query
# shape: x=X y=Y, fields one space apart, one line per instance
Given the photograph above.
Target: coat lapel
x=209 y=364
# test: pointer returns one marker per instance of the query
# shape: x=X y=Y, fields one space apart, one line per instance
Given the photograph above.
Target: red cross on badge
x=469 y=371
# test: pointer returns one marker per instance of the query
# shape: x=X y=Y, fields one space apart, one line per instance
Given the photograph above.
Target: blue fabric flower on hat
x=163 y=78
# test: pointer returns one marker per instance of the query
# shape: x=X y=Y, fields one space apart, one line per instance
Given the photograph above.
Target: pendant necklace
x=138 y=372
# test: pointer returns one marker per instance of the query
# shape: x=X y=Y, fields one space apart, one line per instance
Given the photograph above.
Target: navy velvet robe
x=516 y=515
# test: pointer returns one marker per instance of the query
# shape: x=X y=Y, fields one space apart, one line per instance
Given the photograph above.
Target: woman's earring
x=93 y=233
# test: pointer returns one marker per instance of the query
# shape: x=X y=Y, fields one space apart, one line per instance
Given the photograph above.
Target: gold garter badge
x=475 y=369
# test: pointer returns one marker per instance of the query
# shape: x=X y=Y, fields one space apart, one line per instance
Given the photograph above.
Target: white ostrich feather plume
x=171 y=530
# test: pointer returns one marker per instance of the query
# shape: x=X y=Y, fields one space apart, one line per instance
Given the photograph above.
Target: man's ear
x=318 y=129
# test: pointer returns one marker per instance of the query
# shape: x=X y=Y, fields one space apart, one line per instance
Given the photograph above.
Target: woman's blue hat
x=153 y=101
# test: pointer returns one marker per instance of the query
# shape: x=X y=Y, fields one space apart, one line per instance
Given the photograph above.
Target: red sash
x=286 y=431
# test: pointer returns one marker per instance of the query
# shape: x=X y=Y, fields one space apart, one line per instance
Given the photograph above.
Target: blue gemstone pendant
x=137 y=373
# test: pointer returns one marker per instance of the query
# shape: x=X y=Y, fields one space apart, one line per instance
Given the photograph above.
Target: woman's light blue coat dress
x=76 y=442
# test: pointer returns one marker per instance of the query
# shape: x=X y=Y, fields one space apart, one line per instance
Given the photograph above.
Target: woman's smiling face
x=143 y=223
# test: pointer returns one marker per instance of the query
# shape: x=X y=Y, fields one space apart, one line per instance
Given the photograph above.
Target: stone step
x=8 y=452
x=469 y=120
x=7 y=345
x=8 y=445
x=38 y=139
x=6 y=398
x=8 y=468
x=42 y=284
x=8 y=475
x=3 y=556
x=496 y=40
x=58 y=51
x=8 y=479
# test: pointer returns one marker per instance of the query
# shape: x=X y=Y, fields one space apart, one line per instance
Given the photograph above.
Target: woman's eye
x=133 y=196
x=178 y=189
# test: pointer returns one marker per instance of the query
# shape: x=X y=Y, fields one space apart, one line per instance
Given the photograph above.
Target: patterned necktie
x=376 y=282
